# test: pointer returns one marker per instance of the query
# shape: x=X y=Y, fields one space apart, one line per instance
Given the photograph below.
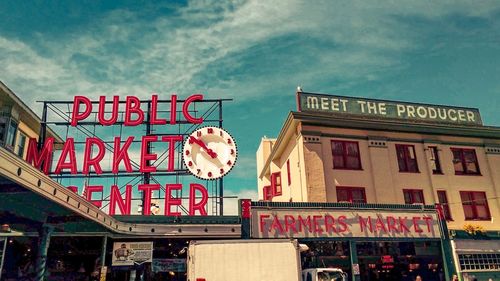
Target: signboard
x=130 y=253
x=382 y=109
x=324 y=223
x=167 y=265
x=146 y=146
x=102 y=274
x=355 y=268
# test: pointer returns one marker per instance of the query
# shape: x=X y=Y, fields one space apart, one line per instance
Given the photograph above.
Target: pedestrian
x=454 y=278
x=418 y=278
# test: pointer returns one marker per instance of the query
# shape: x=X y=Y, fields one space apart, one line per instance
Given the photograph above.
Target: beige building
x=342 y=149
x=18 y=123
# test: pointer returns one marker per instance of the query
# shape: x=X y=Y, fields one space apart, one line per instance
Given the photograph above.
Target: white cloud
x=231 y=206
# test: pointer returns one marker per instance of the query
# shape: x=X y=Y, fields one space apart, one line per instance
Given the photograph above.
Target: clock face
x=209 y=153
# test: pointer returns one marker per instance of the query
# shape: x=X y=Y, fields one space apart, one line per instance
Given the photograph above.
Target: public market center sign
x=382 y=109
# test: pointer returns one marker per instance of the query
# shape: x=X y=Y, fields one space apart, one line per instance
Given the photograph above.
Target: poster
x=130 y=253
x=166 y=265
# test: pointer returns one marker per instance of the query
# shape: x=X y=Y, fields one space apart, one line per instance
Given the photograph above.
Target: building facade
x=349 y=150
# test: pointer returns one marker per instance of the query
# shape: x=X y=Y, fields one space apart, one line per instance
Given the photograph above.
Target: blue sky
x=256 y=52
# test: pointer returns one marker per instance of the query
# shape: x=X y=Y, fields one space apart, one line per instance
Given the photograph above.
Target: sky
x=256 y=53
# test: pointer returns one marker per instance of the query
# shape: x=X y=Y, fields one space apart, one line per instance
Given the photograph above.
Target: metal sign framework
x=57 y=114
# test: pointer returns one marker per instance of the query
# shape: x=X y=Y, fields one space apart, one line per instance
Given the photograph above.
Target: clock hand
x=202 y=145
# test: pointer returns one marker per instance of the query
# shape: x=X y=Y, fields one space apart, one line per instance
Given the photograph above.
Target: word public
x=95 y=149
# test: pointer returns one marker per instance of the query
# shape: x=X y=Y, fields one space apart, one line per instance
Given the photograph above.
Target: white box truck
x=244 y=260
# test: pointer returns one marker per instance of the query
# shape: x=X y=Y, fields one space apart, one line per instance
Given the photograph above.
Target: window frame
x=11 y=144
x=463 y=161
x=21 y=146
x=274 y=186
x=345 y=155
x=412 y=191
x=437 y=161
x=473 y=206
x=406 y=157
x=445 y=205
x=267 y=193
x=349 y=190
x=289 y=176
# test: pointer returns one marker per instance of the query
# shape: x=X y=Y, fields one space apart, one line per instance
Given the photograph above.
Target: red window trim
x=289 y=177
x=421 y=191
x=406 y=158
x=349 y=189
x=437 y=161
x=445 y=205
x=474 y=206
x=267 y=193
x=274 y=186
x=344 y=155
x=462 y=160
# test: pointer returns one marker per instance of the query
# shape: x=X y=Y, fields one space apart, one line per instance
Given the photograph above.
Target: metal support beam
x=354 y=261
x=43 y=247
x=103 y=250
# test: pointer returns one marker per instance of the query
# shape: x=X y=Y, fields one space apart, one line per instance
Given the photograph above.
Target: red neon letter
x=200 y=206
x=147 y=189
x=363 y=223
x=120 y=154
x=153 y=118
x=133 y=105
x=173 y=110
x=262 y=222
x=76 y=115
x=89 y=189
x=68 y=149
x=341 y=220
x=290 y=224
x=185 y=109
x=415 y=224
x=145 y=156
x=87 y=157
x=116 y=197
x=330 y=226
x=44 y=157
x=170 y=200
x=428 y=221
x=171 y=149
x=102 y=110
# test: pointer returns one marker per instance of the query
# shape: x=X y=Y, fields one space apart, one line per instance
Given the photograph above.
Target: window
x=351 y=194
x=289 y=177
x=21 y=144
x=407 y=160
x=482 y=262
x=475 y=205
x=267 y=193
x=443 y=201
x=413 y=196
x=11 y=134
x=465 y=161
x=276 y=184
x=435 y=163
x=346 y=155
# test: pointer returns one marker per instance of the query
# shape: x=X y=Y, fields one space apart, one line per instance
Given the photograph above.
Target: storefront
x=477 y=255
x=368 y=241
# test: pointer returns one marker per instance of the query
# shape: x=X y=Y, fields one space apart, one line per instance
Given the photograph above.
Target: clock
x=209 y=153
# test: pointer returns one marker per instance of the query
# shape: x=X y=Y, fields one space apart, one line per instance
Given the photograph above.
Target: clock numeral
x=232 y=151
x=190 y=164
x=229 y=141
x=229 y=163
x=222 y=171
x=198 y=133
x=209 y=174
x=187 y=152
x=198 y=171
x=221 y=133
x=210 y=130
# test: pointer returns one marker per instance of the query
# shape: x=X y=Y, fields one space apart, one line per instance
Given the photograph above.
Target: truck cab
x=323 y=274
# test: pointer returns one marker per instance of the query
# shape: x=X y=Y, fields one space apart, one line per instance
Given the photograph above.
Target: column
x=354 y=261
x=43 y=247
